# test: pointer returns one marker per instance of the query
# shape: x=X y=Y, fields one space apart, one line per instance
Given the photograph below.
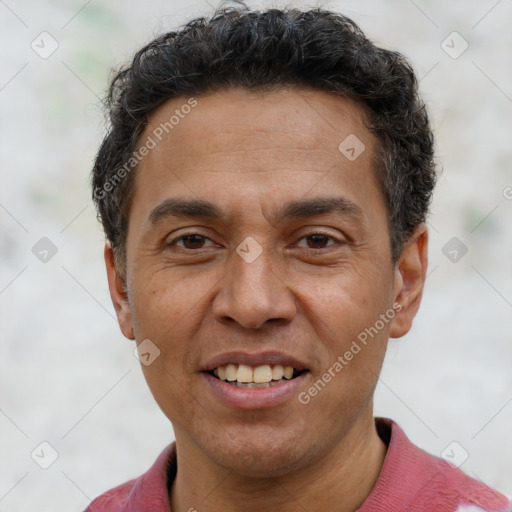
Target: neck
x=340 y=481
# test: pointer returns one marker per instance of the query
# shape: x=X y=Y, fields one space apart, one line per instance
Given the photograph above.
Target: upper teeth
x=259 y=374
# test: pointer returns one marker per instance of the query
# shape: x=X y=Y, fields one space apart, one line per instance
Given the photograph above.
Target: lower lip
x=254 y=398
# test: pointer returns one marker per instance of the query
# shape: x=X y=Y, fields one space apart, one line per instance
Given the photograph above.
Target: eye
x=190 y=241
x=318 y=240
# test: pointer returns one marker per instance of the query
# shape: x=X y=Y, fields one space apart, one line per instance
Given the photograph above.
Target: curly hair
x=267 y=50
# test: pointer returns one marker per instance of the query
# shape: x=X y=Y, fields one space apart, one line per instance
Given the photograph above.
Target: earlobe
x=410 y=274
x=118 y=293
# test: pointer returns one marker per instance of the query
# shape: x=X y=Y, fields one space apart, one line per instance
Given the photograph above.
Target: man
x=263 y=188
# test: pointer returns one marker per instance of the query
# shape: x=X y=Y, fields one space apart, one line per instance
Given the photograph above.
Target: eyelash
x=191 y=234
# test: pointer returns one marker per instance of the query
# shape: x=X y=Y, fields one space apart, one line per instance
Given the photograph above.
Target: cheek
x=162 y=299
x=170 y=388
x=352 y=340
x=164 y=314
x=341 y=306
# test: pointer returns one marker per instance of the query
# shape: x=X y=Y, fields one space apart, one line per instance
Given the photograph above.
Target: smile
x=263 y=376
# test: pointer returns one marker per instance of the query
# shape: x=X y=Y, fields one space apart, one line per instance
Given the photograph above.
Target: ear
x=119 y=297
x=410 y=275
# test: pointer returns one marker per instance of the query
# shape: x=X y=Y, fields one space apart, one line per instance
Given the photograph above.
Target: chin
x=258 y=464
x=261 y=456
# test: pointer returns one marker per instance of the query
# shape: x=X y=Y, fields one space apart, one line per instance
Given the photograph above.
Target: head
x=263 y=187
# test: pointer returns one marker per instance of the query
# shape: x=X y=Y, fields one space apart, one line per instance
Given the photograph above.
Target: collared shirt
x=411 y=480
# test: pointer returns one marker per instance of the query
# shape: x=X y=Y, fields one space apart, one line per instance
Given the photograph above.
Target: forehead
x=240 y=147
x=236 y=120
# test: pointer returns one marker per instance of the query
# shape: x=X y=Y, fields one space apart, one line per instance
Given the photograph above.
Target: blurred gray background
x=68 y=378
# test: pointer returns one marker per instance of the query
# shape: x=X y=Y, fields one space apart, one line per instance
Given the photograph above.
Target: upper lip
x=254 y=359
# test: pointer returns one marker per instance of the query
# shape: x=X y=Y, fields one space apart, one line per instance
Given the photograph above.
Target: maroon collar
x=410 y=480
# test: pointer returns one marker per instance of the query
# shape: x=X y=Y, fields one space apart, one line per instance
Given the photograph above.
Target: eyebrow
x=186 y=208
x=304 y=208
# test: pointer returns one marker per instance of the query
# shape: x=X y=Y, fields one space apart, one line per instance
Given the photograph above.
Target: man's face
x=271 y=280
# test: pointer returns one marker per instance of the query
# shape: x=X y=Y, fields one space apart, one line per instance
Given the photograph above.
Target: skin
x=250 y=153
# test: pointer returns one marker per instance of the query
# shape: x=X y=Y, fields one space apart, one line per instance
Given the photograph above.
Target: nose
x=254 y=294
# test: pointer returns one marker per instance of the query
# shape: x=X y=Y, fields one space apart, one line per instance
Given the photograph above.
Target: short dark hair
x=267 y=50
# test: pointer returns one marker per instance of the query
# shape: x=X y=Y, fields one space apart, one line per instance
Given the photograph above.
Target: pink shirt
x=411 y=480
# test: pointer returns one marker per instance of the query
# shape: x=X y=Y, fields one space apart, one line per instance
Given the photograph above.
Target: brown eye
x=318 y=241
x=193 y=241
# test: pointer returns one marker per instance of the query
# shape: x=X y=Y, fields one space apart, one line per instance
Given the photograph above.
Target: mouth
x=262 y=376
